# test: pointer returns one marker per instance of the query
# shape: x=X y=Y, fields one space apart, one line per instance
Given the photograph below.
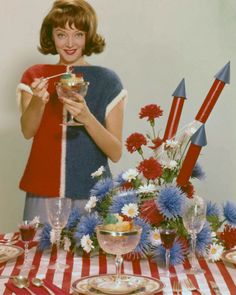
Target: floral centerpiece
x=149 y=196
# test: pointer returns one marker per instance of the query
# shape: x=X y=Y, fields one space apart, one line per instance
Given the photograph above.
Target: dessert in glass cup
x=118 y=238
x=68 y=85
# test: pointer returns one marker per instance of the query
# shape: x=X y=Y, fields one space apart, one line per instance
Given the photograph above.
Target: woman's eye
x=79 y=34
x=61 y=35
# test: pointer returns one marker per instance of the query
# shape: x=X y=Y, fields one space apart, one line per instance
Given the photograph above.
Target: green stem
x=153 y=130
x=140 y=151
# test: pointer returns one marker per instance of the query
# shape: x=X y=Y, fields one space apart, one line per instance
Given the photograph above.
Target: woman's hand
x=39 y=88
x=77 y=108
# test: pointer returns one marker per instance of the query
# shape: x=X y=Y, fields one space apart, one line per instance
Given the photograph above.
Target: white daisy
x=215 y=252
x=91 y=204
x=130 y=210
x=98 y=173
x=155 y=237
x=147 y=188
x=130 y=174
x=67 y=244
x=87 y=243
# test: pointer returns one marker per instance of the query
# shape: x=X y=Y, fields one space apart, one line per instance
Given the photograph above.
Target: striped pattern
x=222 y=273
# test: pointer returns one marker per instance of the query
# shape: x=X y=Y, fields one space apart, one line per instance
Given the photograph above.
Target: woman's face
x=69 y=43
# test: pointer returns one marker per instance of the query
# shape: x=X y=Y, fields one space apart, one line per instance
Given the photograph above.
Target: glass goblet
x=58 y=210
x=194 y=217
x=168 y=236
x=118 y=244
x=67 y=90
x=27 y=232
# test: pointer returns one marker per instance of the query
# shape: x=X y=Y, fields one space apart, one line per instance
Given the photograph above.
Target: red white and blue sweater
x=62 y=158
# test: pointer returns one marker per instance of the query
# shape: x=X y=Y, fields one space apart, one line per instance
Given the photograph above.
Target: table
x=224 y=274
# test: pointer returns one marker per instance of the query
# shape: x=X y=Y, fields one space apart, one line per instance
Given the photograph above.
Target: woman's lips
x=70 y=52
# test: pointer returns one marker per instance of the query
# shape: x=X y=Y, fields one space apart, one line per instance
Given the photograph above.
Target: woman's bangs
x=60 y=19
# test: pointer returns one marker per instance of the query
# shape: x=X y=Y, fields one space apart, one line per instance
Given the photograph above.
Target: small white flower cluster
x=130 y=175
x=98 y=172
x=67 y=244
x=172 y=144
x=91 y=204
x=147 y=188
x=169 y=164
x=87 y=243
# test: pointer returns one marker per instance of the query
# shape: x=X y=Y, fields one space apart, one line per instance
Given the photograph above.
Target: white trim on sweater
x=122 y=95
x=22 y=87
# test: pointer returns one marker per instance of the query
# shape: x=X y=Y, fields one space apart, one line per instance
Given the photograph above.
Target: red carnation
x=157 y=143
x=135 y=141
x=151 y=112
x=150 y=212
x=228 y=236
x=150 y=168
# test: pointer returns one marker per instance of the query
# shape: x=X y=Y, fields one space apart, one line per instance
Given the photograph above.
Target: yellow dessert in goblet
x=118 y=237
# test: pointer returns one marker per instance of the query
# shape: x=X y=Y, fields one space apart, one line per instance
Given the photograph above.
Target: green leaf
x=214 y=222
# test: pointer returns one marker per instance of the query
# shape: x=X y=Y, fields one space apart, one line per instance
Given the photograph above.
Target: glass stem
x=167 y=259
x=58 y=239
x=26 y=253
x=193 y=246
x=118 y=262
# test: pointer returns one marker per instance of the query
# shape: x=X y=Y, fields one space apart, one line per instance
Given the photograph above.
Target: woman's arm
x=108 y=138
x=32 y=107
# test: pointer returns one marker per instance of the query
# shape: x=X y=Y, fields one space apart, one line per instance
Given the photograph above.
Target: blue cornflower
x=121 y=199
x=198 y=172
x=177 y=253
x=119 y=180
x=144 y=244
x=101 y=188
x=170 y=201
x=230 y=213
x=87 y=226
x=204 y=239
x=73 y=218
x=212 y=209
x=44 y=241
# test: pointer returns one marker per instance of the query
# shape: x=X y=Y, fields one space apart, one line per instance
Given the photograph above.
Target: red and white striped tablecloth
x=224 y=274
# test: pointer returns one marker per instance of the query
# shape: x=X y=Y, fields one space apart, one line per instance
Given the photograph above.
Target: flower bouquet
x=149 y=196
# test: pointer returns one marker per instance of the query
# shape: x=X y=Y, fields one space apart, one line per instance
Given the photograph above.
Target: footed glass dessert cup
x=118 y=243
x=67 y=90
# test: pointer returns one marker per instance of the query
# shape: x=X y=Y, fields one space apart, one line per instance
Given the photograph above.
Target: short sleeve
x=115 y=91
x=27 y=78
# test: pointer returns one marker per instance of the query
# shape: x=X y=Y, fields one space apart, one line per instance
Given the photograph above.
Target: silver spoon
x=39 y=283
x=21 y=283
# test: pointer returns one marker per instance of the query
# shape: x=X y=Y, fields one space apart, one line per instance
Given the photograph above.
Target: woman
x=62 y=158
